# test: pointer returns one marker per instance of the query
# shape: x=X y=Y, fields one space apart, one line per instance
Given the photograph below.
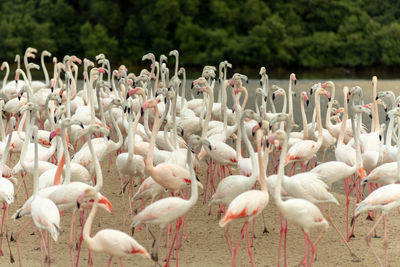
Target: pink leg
x=284 y=245
x=305 y=251
x=248 y=246
x=121 y=262
x=178 y=224
x=312 y=248
x=280 y=240
x=227 y=237
x=1 y=233
x=109 y=261
x=244 y=228
x=385 y=239
x=368 y=239
x=80 y=238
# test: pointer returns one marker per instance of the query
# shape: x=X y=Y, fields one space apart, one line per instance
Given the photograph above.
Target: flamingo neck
x=375 y=125
x=281 y=171
x=328 y=122
x=344 y=121
x=6 y=76
x=318 y=111
x=304 y=118
x=88 y=226
x=149 y=159
x=261 y=177
x=209 y=113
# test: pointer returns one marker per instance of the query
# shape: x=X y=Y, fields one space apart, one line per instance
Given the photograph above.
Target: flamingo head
x=293 y=78
x=151 y=103
x=339 y=110
x=105 y=203
x=304 y=96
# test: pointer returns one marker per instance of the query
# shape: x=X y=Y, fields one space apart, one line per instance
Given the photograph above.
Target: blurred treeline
x=314 y=33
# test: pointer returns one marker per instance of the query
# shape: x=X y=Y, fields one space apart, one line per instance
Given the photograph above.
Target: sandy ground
x=206 y=244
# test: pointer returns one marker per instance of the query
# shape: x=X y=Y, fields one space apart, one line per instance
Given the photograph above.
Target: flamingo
x=249 y=204
x=297 y=211
x=166 y=210
x=110 y=241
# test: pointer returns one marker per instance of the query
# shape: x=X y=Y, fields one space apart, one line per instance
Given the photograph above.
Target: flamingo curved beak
x=107 y=203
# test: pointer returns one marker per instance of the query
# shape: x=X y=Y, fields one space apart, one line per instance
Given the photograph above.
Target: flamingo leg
x=284 y=245
x=8 y=242
x=81 y=238
x=385 y=239
x=227 y=238
x=244 y=228
x=307 y=235
x=109 y=261
x=1 y=233
x=178 y=224
x=368 y=239
x=248 y=246
x=71 y=243
x=304 y=263
x=121 y=262
x=280 y=240
x=16 y=238
x=265 y=226
x=340 y=234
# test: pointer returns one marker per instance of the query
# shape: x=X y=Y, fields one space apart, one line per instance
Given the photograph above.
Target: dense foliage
x=304 y=33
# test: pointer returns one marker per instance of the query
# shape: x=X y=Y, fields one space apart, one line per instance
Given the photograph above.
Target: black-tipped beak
x=370 y=116
x=81 y=125
x=311 y=91
x=191 y=85
x=197 y=178
x=110 y=89
x=348 y=100
x=50 y=138
x=165 y=100
x=129 y=110
x=108 y=138
x=307 y=102
x=19 y=98
x=198 y=92
x=273 y=96
x=295 y=81
x=78 y=204
x=260 y=83
x=125 y=109
x=380 y=137
x=387 y=117
x=127 y=95
x=376 y=98
x=253 y=133
x=265 y=98
x=209 y=147
x=329 y=99
x=385 y=109
x=141 y=111
x=55 y=119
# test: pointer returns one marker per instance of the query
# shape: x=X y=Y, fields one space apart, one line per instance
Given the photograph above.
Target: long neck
x=304 y=118
x=131 y=144
x=88 y=226
x=91 y=93
x=318 y=111
x=166 y=109
x=208 y=116
x=281 y=172
x=355 y=124
x=261 y=170
x=5 y=153
x=284 y=108
x=183 y=92
x=149 y=159
x=118 y=144
x=389 y=131
x=28 y=70
x=193 y=197
x=46 y=74
x=174 y=134
x=328 y=122
x=344 y=122
x=239 y=142
x=67 y=161
x=249 y=147
x=6 y=76
x=398 y=150
x=290 y=101
x=36 y=168
x=99 y=174
x=375 y=115
x=246 y=96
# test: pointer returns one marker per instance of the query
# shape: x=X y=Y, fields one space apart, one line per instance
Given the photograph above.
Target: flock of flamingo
x=162 y=138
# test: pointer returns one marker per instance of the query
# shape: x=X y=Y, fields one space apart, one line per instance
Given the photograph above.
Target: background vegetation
x=296 y=33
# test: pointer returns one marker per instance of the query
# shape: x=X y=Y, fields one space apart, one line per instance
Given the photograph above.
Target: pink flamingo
x=166 y=210
x=249 y=204
x=297 y=211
